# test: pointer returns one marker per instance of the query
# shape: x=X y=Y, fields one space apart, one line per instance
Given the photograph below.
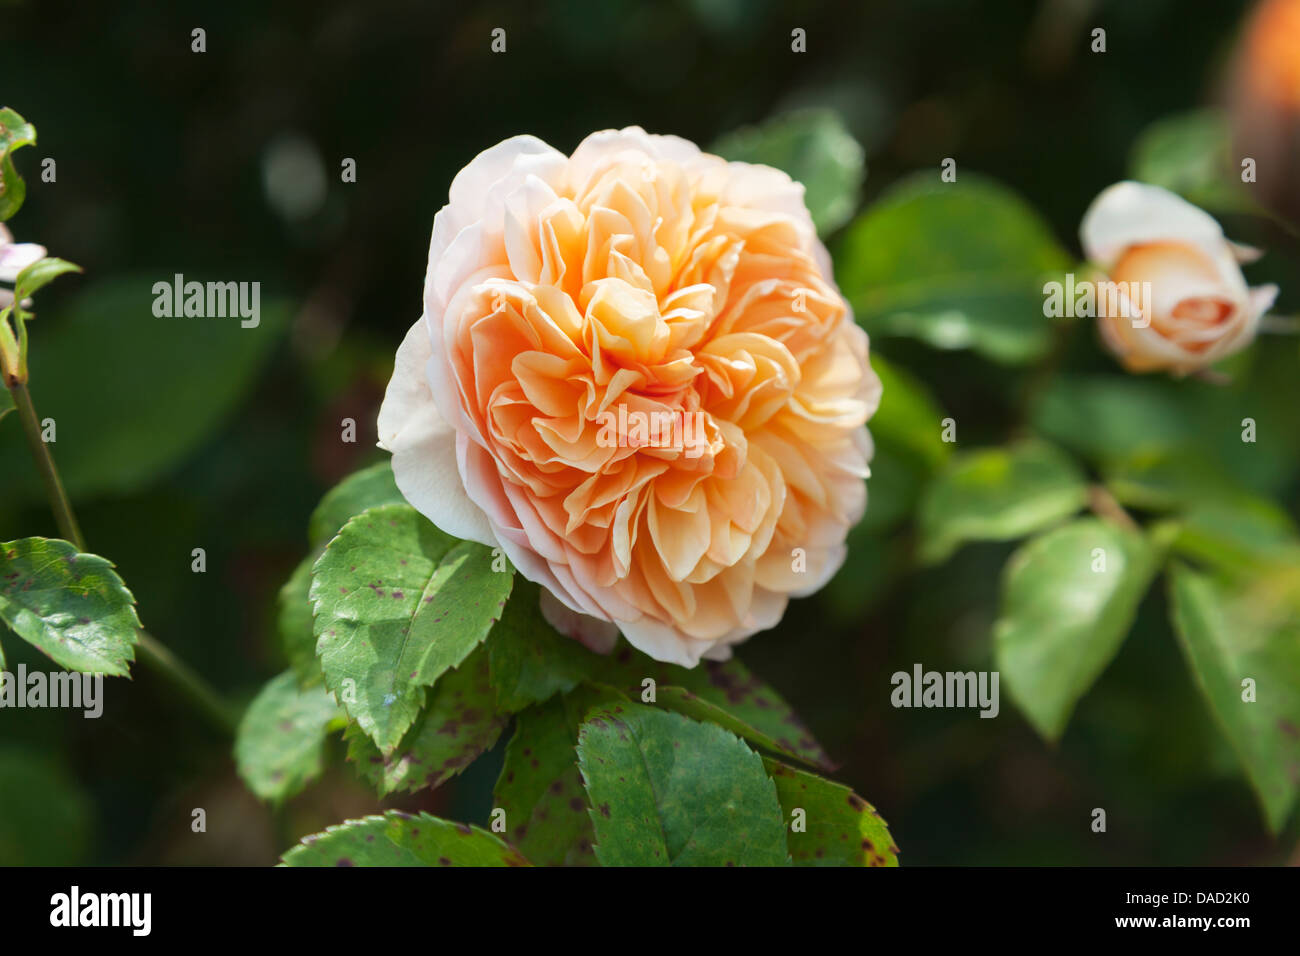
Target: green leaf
x=71 y=606
x=359 y=491
x=460 y=722
x=540 y=788
x=532 y=661
x=996 y=494
x=1240 y=537
x=957 y=265
x=839 y=828
x=668 y=791
x=45 y=816
x=684 y=702
x=15 y=132
x=294 y=622
x=280 y=745
x=1229 y=635
x=398 y=603
x=1108 y=418
x=729 y=685
x=400 y=839
x=814 y=148
x=6 y=402
x=1191 y=154
x=116 y=435
x=1068 y=599
x=362 y=489
x=909 y=417
x=40 y=274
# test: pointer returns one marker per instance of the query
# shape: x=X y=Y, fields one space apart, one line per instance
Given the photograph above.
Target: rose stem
x=152 y=652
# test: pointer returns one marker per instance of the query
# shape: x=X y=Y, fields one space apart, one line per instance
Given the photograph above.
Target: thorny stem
x=151 y=652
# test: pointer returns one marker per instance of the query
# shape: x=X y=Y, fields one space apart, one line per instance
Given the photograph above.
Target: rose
x=1199 y=310
x=638 y=277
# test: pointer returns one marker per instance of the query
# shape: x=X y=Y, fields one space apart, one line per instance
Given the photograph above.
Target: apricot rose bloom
x=1199 y=310
x=569 y=299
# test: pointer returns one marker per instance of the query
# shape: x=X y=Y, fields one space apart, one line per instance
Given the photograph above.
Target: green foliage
x=996 y=494
x=40 y=274
x=838 y=828
x=45 y=817
x=540 y=788
x=15 y=132
x=815 y=149
x=957 y=265
x=728 y=685
x=362 y=489
x=398 y=603
x=400 y=839
x=1191 y=154
x=197 y=371
x=280 y=745
x=531 y=661
x=1069 y=597
x=459 y=722
x=71 y=606
x=1229 y=636
x=6 y=402
x=909 y=417
x=665 y=790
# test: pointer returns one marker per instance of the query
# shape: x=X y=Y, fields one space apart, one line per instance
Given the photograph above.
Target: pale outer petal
x=1128 y=213
x=15 y=257
x=423 y=446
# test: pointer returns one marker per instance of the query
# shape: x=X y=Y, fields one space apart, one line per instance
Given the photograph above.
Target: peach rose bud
x=1189 y=305
x=635 y=375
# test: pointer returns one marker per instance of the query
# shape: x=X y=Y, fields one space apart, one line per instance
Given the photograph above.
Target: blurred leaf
x=815 y=149
x=955 y=265
x=540 y=788
x=668 y=791
x=1238 y=536
x=996 y=494
x=1108 y=418
x=6 y=402
x=397 y=604
x=1164 y=479
x=45 y=817
x=69 y=605
x=1064 y=615
x=359 y=491
x=40 y=274
x=532 y=661
x=684 y=702
x=460 y=722
x=1229 y=635
x=280 y=745
x=400 y=839
x=15 y=132
x=1191 y=154
x=841 y=829
x=909 y=417
x=729 y=685
x=133 y=394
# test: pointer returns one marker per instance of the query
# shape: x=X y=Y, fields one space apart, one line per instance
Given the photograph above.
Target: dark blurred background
x=225 y=165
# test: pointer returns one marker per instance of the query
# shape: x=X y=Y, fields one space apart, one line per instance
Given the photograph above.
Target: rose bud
x=1186 y=304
